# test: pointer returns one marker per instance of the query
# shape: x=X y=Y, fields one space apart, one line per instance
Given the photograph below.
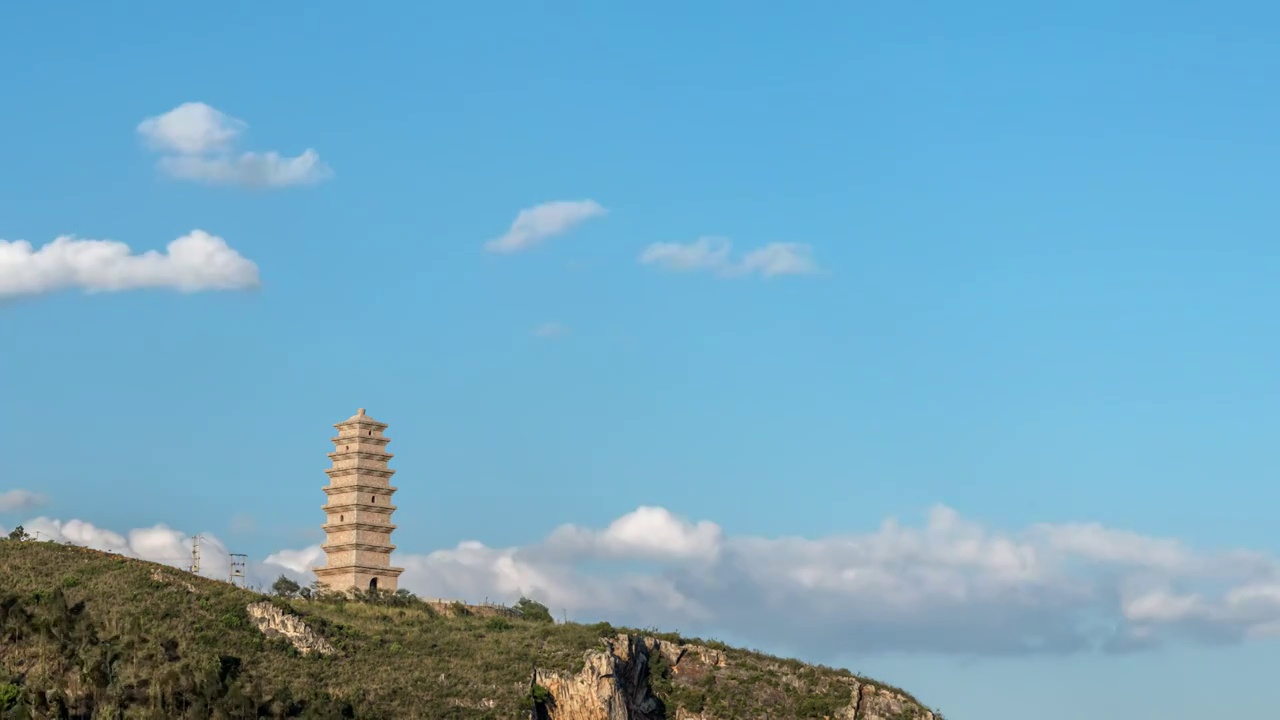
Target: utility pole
x=238 y=561
x=195 y=555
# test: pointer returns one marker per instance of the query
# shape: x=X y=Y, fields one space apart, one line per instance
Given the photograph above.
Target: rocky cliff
x=644 y=678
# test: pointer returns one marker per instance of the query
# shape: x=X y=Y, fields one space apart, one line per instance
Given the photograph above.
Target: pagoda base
x=358 y=577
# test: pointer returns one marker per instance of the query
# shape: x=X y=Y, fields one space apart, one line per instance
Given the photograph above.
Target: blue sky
x=1039 y=291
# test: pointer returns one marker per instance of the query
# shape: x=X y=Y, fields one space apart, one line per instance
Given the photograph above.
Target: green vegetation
x=533 y=611
x=788 y=688
x=85 y=634
x=284 y=587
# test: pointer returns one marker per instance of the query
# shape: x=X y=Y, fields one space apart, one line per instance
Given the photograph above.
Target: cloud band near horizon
x=949 y=586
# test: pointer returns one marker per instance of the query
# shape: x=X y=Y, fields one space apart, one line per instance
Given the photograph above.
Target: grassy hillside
x=88 y=634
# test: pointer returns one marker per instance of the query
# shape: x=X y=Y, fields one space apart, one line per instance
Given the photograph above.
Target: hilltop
x=86 y=634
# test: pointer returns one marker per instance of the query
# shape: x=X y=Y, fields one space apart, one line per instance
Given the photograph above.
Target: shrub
x=537 y=696
x=9 y=696
x=533 y=610
x=284 y=587
x=234 y=620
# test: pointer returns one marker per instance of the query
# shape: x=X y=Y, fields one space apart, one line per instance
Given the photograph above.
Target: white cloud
x=708 y=253
x=713 y=254
x=194 y=262
x=780 y=259
x=648 y=533
x=551 y=330
x=191 y=128
x=535 y=224
x=15 y=500
x=199 y=144
x=949 y=585
x=299 y=561
x=1095 y=542
x=257 y=169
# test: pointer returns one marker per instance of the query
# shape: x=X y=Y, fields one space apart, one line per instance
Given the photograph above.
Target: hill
x=86 y=634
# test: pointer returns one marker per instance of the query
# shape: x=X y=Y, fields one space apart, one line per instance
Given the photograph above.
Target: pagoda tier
x=358 y=525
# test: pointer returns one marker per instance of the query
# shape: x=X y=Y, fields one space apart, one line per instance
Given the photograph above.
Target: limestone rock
x=274 y=622
x=877 y=703
x=676 y=654
x=614 y=685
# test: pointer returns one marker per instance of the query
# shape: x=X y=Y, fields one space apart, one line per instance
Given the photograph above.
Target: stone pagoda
x=357 y=544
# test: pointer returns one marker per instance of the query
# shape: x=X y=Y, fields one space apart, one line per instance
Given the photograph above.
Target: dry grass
x=116 y=637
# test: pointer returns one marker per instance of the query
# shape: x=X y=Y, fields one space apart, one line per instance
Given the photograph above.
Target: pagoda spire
x=358 y=526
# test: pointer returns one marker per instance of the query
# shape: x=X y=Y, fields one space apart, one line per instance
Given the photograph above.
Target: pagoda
x=358 y=527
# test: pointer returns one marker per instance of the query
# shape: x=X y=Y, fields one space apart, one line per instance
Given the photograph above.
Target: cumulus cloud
x=250 y=168
x=18 y=500
x=713 y=254
x=648 y=533
x=299 y=561
x=191 y=128
x=198 y=142
x=551 y=330
x=535 y=224
x=945 y=585
x=194 y=262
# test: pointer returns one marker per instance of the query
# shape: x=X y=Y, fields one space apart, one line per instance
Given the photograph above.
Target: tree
x=19 y=533
x=284 y=587
x=533 y=610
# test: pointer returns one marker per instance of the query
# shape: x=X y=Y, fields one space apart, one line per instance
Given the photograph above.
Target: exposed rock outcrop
x=274 y=622
x=877 y=703
x=615 y=684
